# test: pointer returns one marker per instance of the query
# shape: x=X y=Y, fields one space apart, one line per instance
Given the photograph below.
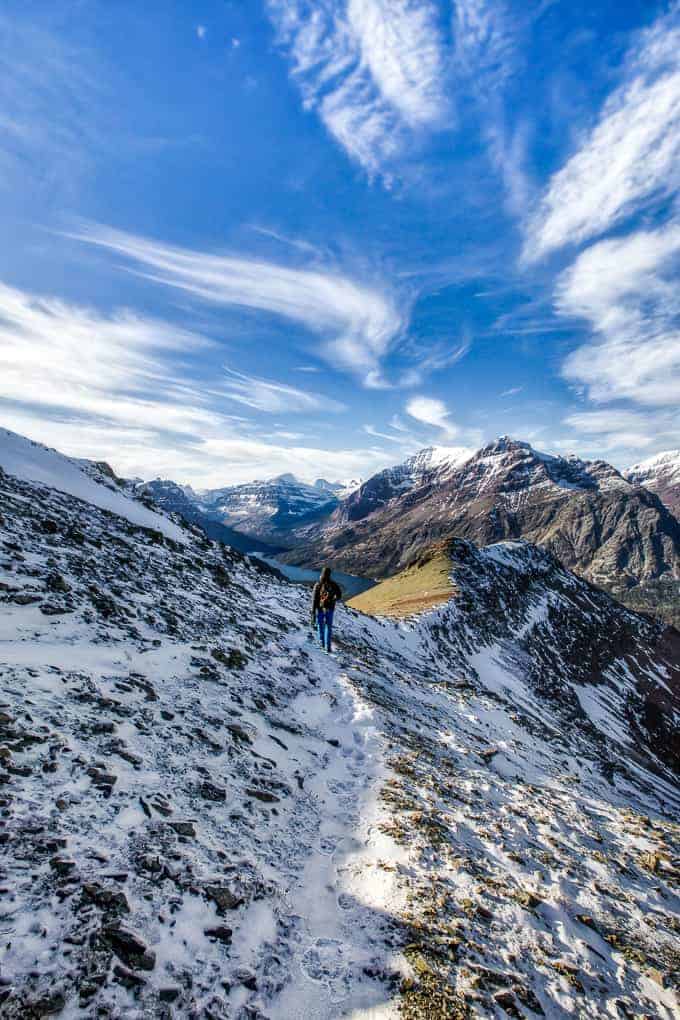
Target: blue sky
x=280 y=235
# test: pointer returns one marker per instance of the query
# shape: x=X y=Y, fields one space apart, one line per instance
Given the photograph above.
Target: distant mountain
x=182 y=500
x=268 y=510
x=339 y=489
x=660 y=474
x=394 y=482
x=615 y=533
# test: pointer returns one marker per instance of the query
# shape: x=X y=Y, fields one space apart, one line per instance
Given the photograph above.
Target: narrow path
x=341 y=898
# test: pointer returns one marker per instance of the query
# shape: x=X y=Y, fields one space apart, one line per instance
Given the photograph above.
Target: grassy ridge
x=422 y=585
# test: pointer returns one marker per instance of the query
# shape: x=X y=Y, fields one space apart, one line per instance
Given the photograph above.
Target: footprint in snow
x=324 y=962
x=327 y=845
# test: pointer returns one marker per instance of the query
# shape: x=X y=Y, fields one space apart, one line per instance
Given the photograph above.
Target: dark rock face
x=129 y=947
x=615 y=534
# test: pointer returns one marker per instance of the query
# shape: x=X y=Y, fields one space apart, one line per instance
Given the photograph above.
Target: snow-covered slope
x=471 y=813
x=661 y=474
x=37 y=463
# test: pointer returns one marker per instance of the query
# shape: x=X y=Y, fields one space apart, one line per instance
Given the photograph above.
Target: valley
x=617 y=534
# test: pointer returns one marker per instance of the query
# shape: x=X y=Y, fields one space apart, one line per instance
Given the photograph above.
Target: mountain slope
x=424 y=585
x=616 y=534
x=90 y=482
x=467 y=812
x=394 y=482
x=660 y=474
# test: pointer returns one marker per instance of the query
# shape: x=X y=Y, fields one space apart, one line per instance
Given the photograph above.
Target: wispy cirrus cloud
x=487 y=54
x=374 y=70
x=485 y=40
x=46 y=83
x=358 y=324
x=615 y=430
x=631 y=155
x=432 y=357
x=626 y=289
x=123 y=387
x=620 y=434
x=71 y=360
x=265 y=395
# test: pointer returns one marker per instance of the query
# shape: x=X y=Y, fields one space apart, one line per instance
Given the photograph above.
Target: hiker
x=326 y=594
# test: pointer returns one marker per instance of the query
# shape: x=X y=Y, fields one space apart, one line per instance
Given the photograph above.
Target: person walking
x=324 y=598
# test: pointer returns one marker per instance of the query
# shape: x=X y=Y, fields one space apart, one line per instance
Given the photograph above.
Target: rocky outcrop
x=614 y=533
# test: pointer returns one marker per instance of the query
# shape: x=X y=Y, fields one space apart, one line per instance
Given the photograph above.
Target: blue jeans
x=324 y=619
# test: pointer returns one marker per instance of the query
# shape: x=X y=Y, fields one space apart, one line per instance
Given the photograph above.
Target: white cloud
x=508 y=153
x=631 y=155
x=622 y=435
x=402 y=438
x=375 y=70
x=358 y=324
x=69 y=357
x=487 y=53
x=512 y=392
x=401 y=47
x=264 y=395
x=431 y=411
x=626 y=288
x=201 y=31
x=431 y=358
x=615 y=429
x=485 y=40
x=120 y=388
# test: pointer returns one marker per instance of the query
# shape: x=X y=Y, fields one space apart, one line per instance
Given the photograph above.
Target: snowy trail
x=332 y=905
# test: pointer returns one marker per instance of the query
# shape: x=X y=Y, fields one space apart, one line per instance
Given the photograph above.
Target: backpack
x=326 y=596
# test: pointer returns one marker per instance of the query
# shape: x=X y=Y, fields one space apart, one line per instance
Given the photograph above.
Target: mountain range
x=271 y=509
x=611 y=530
x=470 y=811
x=618 y=529
x=256 y=516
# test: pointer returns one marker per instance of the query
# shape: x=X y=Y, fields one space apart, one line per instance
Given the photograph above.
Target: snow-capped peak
x=438 y=457
x=667 y=463
x=660 y=474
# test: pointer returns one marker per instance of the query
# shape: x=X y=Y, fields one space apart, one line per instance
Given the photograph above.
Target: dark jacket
x=335 y=595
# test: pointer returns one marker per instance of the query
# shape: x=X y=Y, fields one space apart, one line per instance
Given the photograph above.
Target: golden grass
x=423 y=585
